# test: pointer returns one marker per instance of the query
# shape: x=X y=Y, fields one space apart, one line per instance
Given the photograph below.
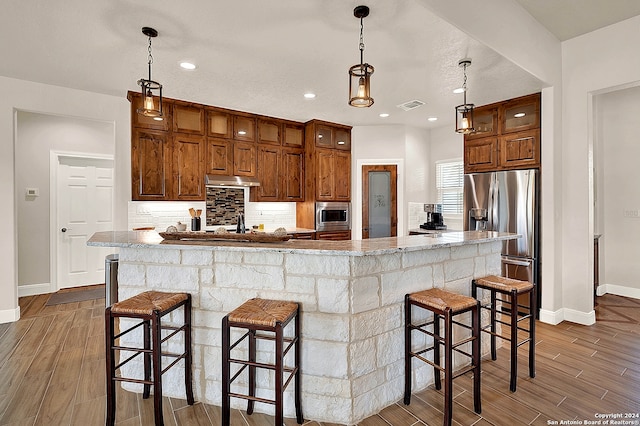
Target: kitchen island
x=351 y=294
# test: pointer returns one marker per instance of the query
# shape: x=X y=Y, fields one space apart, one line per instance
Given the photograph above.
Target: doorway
x=81 y=204
x=379 y=201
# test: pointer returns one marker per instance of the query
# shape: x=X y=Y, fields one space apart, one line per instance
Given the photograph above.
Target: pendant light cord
x=464 y=84
x=150 y=58
x=361 y=46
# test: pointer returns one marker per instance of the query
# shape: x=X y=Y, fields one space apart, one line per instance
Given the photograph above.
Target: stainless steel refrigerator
x=507 y=202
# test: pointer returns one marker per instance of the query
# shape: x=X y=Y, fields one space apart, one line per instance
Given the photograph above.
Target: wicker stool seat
x=263 y=319
x=511 y=289
x=149 y=307
x=444 y=305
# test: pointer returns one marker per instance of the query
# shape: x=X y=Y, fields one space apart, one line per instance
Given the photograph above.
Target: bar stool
x=149 y=307
x=269 y=317
x=511 y=288
x=444 y=304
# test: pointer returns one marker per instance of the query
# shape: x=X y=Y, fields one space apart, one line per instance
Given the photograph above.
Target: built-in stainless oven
x=333 y=216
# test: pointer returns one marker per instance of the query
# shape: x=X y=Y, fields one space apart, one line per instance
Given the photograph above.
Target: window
x=449 y=185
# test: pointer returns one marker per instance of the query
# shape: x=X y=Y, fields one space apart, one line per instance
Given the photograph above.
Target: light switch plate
x=32 y=192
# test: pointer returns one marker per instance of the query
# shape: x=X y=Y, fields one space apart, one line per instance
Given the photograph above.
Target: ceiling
x=261 y=57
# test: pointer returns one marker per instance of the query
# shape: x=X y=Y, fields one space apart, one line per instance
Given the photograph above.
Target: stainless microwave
x=333 y=216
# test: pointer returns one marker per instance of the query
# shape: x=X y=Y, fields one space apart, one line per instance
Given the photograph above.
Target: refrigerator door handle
x=493 y=194
x=516 y=262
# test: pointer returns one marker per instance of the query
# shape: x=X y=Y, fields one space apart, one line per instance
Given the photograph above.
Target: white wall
x=617 y=198
x=36 y=135
x=446 y=144
x=595 y=62
x=19 y=95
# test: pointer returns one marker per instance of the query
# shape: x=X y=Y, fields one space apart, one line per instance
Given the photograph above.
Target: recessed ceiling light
x=187 y=65
x=309 y=95
x=432 y=118
x=384 y=115
x=518 y=115
x=458 y=90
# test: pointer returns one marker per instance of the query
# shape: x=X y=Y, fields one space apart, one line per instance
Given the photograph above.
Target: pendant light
x=151 y=90
x=360 y=74
x=464 y=112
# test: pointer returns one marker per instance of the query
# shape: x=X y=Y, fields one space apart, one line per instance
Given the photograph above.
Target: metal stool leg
x=448 y=365
x=157 y=369
x=514 y=340
x=475 y=353
x=146 y=339
x=407 y=350
x=494 y=353
x=226 y=372
x=252 y=370
x=188 y=375
x=436 y=350
x=533 y=303
x=279 y=372
x=111 y=366
x=298 y=377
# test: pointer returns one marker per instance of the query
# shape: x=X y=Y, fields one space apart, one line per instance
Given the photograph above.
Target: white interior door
x=84 y=206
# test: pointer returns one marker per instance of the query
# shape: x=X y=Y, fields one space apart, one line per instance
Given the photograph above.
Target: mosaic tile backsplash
x=224 y=205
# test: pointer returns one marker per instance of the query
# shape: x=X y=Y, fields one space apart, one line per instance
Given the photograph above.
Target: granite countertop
x=373 y=246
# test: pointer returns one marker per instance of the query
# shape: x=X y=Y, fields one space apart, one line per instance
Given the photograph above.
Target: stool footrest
x=251 y=398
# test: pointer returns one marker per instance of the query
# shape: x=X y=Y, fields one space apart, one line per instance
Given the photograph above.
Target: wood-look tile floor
x=52 y=373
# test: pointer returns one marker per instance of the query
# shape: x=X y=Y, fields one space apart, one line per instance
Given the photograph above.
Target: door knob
x=64 y=229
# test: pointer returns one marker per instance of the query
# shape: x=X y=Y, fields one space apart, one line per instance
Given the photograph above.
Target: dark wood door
x=293 y=174
x=150 y=165
x=268 y=173
x=383 y=197
x=188 y=157
x=219 y=157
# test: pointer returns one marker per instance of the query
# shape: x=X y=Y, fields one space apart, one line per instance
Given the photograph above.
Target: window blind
x=450 y=185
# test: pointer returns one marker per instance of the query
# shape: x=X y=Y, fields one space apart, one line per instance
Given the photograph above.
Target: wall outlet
x=142 y=209
x=32 y=192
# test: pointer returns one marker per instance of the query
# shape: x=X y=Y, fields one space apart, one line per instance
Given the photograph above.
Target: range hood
x=216 y=180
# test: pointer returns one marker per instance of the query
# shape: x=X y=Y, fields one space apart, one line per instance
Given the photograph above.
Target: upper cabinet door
x=481 y=155
x=269 y=131
x=188 y=119
x=244 y=128
x=293 y=135
x=244 y=159
x=485 y=122
x=150 y=165
x=143 y=122
x=521 y=114
x=219 y=157
x=342 y=139
x=324 y=136
x=188 y=168
x=219 y=124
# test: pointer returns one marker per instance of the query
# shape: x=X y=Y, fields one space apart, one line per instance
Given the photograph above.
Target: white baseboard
x=618 y=290
x=10 y=315
x=551 y=317
x=564 y=314
x=33 y=289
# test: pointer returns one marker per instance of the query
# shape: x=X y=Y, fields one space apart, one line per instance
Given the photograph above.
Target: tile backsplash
x=162 y=214
x=224 y=205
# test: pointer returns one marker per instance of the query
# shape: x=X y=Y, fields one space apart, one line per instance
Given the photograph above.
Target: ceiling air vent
x=408 y=106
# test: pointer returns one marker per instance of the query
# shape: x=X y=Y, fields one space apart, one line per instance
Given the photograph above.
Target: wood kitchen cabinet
x=281 y=174
x=329 y=135
x=188 y=118
x=507 y=136
x=520 y=150
x=269 y=131
x=219 y=157
x=293 y=135
x=150 y=165
x=244 y=128
x=188 y=167
x=333 y=235
x=244 y=159
x=219 y=123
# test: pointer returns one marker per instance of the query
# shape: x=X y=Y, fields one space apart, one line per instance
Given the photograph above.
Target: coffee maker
x=478 y=219
x=434 y=217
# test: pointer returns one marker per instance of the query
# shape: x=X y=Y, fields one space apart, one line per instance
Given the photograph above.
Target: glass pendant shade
x=360 y=85
x=151 y=102
x=464 y=118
